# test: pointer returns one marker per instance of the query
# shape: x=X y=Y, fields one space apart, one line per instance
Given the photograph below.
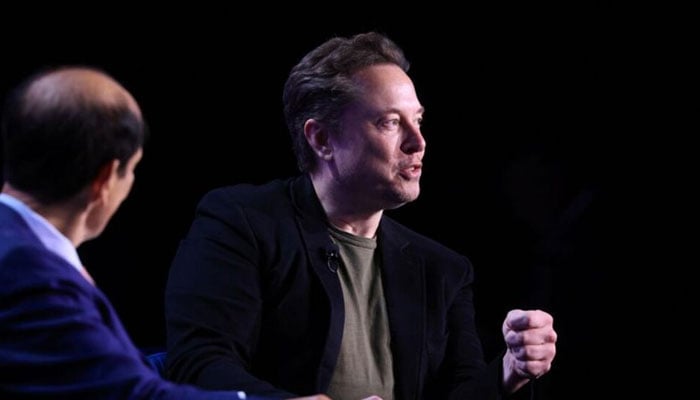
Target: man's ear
x=317 y=136
x=103 y=182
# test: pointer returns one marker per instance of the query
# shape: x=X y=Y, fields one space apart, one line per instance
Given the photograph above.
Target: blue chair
x=157 y=361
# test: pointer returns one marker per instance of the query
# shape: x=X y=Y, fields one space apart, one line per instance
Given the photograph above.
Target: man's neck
x=342 y=213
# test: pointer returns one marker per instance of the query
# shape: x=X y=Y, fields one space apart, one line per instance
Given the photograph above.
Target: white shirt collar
x=49 y=236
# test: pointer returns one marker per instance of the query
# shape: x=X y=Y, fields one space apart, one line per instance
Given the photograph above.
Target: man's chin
x=403 y=198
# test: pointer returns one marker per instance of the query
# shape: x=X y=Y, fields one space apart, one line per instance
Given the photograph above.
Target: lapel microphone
x=333 y=258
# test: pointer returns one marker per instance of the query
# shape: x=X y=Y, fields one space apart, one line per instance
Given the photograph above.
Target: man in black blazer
x=303 y=285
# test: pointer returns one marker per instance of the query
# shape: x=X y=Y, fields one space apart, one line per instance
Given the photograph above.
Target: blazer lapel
x=314 y=232
x=404 y=291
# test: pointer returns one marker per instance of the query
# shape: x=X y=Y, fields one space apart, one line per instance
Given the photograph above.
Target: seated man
x=304 y=285
x=72 y=138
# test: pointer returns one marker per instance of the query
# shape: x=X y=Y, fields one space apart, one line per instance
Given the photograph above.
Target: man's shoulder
x=248 y=193
x=418 y=241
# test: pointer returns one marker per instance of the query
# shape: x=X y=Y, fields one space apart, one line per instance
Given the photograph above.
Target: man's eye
x=390 y=123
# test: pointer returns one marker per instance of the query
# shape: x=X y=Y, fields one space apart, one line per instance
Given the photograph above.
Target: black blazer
x=252 y=303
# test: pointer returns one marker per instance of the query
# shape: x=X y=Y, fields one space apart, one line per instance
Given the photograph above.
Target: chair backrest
x=157 y=360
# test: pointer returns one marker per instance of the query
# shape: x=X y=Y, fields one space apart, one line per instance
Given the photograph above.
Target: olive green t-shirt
x=364 y=365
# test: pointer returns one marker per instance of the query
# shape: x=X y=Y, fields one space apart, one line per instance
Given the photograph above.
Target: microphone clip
x=333 y=259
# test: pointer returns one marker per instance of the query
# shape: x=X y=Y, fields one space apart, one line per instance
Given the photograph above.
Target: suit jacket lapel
x=404 y=292
x=314 y=231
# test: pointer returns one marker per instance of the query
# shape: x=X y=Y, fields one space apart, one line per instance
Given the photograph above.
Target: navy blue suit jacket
x=251 y=301
x=59 y=336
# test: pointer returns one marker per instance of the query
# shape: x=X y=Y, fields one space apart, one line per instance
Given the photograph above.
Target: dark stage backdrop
x=522 y=123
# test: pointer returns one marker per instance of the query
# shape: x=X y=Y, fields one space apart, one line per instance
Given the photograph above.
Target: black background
x=527 y=115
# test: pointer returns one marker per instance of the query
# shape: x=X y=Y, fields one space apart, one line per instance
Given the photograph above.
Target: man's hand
x=530 y=338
